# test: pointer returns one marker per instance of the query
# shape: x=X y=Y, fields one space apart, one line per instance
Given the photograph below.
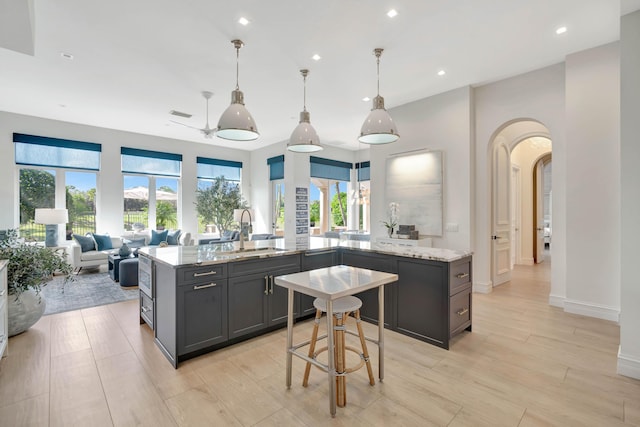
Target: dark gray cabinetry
x=191 y=309
x=202 y=315
x=255 y=302
x=146 y=287
x=311 y=260
x=433 y=299
x=372 y=261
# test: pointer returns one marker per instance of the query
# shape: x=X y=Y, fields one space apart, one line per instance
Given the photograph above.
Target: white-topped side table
x=331 y=283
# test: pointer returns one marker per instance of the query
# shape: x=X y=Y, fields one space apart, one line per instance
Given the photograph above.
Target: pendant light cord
x=237 y=67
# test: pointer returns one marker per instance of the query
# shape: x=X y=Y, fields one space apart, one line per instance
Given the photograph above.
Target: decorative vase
x=390 y=231
x=124 y=250
x=24 y=311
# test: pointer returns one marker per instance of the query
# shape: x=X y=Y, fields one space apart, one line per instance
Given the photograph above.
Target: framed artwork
x=415 y=182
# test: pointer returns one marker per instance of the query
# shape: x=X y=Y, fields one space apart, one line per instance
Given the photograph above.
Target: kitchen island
x=201 y=298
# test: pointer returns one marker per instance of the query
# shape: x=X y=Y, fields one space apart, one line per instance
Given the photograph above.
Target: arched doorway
x=503 y=232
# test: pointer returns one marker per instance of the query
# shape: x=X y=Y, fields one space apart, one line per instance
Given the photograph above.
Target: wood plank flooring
x=525 y=364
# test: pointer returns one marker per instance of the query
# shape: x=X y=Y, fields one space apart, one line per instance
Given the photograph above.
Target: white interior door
x=501 y=214
x=516 y=209
x=539 y=212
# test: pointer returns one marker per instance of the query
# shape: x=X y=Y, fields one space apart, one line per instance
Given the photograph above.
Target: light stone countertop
x=229 y=252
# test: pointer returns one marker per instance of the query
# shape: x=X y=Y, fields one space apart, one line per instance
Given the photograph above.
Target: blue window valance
x=330 y=169
x=150 y=162
x=35 y=150
x=364 y=171
x=276 y=167
x=214 y=168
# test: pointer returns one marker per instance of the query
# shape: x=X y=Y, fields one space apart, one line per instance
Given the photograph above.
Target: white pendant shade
x=304 y=138
x=378 y=127
x=236 y=123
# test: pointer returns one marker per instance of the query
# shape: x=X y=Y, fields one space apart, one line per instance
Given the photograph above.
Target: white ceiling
x=136 y=60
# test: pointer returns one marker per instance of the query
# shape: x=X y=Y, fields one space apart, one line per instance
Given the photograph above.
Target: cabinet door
x=279 y=299
x=248 y=310
x=310 y=261
x=202 y=315
x=422 y=298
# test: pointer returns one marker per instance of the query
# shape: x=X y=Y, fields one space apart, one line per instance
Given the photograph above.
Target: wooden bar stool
x=342 y=308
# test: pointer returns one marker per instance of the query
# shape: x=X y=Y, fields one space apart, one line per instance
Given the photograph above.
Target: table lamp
x=51 y=218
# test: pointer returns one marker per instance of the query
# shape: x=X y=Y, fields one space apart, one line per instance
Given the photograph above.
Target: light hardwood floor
x=524 y=364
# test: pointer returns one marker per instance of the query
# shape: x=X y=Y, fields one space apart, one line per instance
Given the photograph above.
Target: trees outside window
x=216 y=200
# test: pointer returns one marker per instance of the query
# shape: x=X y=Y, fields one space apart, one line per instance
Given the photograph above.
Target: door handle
x=494 y=237
x=266 y=285
x=271 y=288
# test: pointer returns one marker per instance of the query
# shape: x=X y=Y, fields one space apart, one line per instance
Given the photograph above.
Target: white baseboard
x=628 y=366
x=483 y=288
x=592 y=310
x=556 y=301
x=527 y=261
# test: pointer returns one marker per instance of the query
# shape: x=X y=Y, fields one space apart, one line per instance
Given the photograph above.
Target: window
x=328 y=195
x=158 y=171
x=56 y=173
x=363 y=196
x=208 y=171
x=276 y=176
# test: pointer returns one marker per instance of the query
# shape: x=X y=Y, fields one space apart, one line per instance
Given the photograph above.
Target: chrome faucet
x=249 y=230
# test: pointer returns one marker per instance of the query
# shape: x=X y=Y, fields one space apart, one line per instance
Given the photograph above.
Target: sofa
x=227 y=236
x=92 y=256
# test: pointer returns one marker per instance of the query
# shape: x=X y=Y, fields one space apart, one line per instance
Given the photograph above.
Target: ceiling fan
x=206 y=131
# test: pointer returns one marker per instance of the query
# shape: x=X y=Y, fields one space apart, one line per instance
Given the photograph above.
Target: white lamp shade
x=237 y=214
x=51 y=216
x=304 y=139
x=236 y=123
x=378 y=128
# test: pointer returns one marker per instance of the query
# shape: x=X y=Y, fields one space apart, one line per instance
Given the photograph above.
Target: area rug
x=87 y=290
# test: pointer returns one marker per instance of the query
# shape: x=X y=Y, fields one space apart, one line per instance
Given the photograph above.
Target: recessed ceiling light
x=66 y=55
x=442 y=72
x=62 y=106
x=561 y=30
x=243 y=21
x=392 y=13
x=316 y=57
x=366 y=99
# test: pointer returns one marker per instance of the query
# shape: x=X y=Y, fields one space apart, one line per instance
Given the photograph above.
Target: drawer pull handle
x=271 y=288
x=145 y=309
x=210 y=285
x=462 y=275
x=319 y=253
x=266 y=285
x=208 y=273
x=462 y=312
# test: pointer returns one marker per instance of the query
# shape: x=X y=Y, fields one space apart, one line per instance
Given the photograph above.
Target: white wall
x=110 y=202
x=441 y=122
x=592 y=184
x=538 y=95
x=629 y=354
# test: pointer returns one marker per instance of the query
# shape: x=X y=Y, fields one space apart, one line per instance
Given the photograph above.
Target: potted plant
x=165 y=215
x=30 y=266
x=393 y=218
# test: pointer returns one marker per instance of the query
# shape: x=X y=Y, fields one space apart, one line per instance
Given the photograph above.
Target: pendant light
x=379 y=127
x=236 y=122
x=304 y=138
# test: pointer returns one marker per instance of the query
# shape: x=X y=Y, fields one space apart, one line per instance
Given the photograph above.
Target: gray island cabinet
x=197 y=300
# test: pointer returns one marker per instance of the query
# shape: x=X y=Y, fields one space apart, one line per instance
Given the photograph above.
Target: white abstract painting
x=414 y=181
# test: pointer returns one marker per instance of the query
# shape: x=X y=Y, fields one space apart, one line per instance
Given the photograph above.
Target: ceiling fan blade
x=183 y=124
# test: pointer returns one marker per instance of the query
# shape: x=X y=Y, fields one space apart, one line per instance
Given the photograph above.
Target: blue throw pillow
x=135 y=243
x=86 y=243
x=158 y=236
x=103 y=241
x=173 y=238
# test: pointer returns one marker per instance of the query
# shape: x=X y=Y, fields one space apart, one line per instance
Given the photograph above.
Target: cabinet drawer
x=460 y=314
x=146 y=309
x=459 y=276
x=264 y=265
x=203 y=273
